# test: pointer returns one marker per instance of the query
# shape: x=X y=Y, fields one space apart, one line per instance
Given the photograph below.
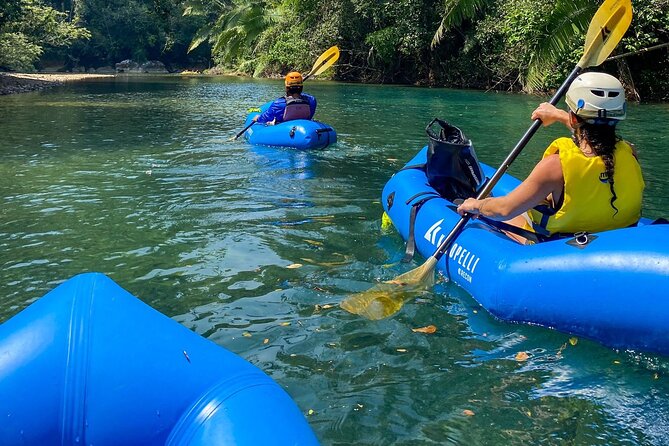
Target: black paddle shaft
x=490 y=184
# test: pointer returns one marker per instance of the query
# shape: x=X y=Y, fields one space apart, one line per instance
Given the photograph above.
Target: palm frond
x=565 y=29
x=456 y=12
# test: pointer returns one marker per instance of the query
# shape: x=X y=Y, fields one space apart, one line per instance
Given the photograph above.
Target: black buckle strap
x=411 y=239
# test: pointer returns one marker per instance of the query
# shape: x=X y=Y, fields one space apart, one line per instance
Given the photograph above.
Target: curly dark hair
x=602 y=139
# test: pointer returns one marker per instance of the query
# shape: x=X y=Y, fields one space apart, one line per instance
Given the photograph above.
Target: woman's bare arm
x=545 y=178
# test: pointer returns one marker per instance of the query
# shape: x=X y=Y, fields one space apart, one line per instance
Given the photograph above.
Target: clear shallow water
x=137 y=179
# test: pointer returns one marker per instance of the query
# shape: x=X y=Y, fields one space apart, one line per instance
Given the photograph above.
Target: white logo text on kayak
x=466 y=260
x=433 y=232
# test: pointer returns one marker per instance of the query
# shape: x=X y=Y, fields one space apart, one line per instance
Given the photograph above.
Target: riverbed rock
x=153 y=66
x=127 y=66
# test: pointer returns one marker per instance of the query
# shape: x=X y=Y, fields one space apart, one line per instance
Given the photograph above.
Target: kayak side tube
x=90 y=364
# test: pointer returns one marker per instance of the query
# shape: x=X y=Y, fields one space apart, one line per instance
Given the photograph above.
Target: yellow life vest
x=586 y=201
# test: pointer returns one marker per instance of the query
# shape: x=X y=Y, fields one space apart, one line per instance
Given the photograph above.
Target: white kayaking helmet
x=598 y=98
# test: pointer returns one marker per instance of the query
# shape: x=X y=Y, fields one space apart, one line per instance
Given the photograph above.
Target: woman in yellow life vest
x=591 y=182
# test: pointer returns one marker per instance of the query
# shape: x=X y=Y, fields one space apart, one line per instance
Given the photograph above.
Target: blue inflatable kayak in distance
x=609 y=287
x=299 y=133
x=89 y=364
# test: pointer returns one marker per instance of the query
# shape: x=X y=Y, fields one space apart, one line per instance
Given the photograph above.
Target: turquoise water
x=254 y=248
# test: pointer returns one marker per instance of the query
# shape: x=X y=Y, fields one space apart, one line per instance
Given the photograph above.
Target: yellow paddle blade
x=605 y=31
x=386 y=298
x=325 y=61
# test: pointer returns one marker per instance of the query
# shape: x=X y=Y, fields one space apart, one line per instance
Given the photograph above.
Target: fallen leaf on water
x=469 y=413
x=402 y=350
x=310 y=412
x=313 y=242
x=265 y=341
x=326 y=306
x=246 y=334
x=573 y=341
x=324 y=263
x=616 y=362
x=294 y=265
x=428 y=329
x=522 y=356
x=285 y=324
x=656 y=375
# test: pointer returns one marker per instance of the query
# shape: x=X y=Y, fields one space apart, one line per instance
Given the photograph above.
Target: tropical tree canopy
x=518 y=45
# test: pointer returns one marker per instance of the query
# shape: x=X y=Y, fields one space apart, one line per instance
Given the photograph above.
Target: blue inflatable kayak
x=609 y=287
x=89 y=364
x=299 y=133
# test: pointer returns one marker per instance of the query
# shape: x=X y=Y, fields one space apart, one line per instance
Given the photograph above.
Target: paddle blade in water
x=605 y=31
x=386 y=299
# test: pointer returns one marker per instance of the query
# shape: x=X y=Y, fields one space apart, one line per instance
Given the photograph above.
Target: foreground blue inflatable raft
x=89 y=364
x=299 y=133
x=611 y=288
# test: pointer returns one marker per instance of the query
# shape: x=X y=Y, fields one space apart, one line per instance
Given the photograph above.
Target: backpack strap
x=414 y=166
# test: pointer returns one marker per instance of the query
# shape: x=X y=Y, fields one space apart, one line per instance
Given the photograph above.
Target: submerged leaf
x=428 y=329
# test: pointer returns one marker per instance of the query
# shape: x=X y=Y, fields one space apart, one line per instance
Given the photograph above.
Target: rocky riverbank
x=23 y=82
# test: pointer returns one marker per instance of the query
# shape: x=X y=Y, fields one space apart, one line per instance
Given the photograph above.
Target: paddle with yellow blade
x=605 y=31
x=325 y=61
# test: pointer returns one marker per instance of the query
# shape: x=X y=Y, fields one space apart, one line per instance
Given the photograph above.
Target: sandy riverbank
x=23 y=82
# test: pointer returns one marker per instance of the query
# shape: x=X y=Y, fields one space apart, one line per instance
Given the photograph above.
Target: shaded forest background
x=516 y=45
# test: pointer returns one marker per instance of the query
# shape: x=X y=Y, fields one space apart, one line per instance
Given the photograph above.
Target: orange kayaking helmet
x=293 y=79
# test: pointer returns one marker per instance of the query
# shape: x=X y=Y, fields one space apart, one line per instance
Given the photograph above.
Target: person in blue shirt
x=294 y=105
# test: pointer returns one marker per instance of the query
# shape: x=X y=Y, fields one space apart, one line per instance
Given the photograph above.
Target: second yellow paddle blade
x=325 y=61
x=386 y=299
x=606 y=29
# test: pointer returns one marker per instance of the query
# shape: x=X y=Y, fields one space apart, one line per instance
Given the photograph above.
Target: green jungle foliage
x=515 y=45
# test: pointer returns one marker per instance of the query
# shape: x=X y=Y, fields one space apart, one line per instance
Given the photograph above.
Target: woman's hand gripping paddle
x=325 y=61
x=607 y=27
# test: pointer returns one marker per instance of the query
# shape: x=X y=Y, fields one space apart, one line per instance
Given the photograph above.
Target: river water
x=254 y=248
